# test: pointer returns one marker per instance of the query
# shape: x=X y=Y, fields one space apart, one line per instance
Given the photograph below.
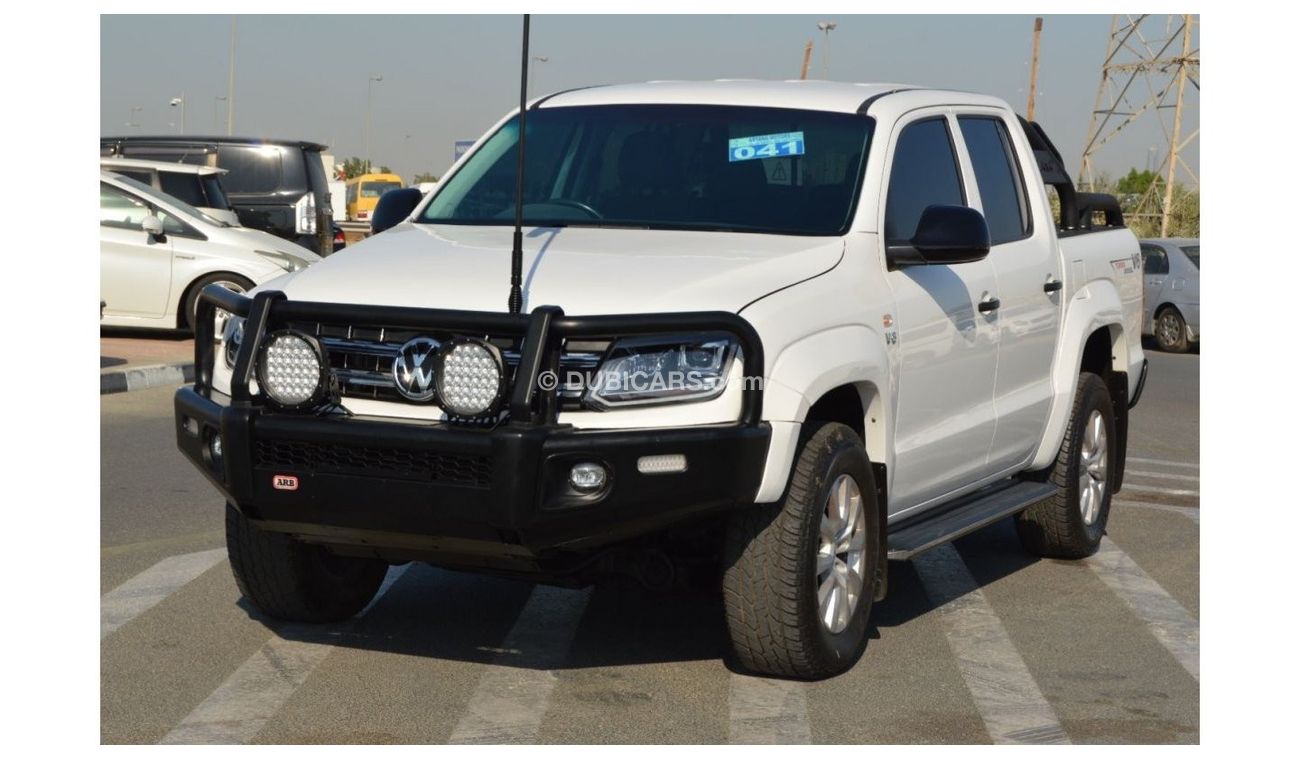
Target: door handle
x=988 y=304
x=1053 y=285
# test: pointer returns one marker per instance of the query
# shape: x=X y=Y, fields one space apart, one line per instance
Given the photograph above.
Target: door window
x=117 y=209
x=1002 y=189
x=924 y=174
x=1155 y=260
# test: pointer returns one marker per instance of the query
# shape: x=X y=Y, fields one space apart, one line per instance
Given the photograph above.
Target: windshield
x=176 y=203
x=728 y=168
x=1194 y=253
x=376 y=189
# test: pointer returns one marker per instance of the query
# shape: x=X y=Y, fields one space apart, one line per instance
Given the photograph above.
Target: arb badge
x=284 y=482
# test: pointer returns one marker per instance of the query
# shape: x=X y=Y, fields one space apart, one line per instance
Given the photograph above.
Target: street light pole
x=230 y=84
x=826 y=27
x=180 y=102
x=369 y=98
x=539 y=59
x=216 y=124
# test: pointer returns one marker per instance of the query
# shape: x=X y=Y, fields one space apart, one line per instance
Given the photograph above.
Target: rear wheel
x=1070 y=524
x=800 y=575
x=1171 y=331
x=291 y=580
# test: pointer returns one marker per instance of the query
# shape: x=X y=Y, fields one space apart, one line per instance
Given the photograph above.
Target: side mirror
x=945 y=235
x=152 y=225
x=393 y=207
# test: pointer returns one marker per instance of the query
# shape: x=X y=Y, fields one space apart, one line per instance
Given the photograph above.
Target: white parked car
x=799 y=327
x=199 y=186
x=156 y=252
x=1172 y=267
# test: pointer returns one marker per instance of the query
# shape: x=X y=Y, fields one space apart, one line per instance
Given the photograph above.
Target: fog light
x=588 y=477
x=661 y=464
x=469 y=378
x=214 y=448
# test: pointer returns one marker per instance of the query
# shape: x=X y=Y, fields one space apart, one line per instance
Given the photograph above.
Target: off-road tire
x=1173 y=346
x=1055 y=527
x=287 y=579
x=770 y=574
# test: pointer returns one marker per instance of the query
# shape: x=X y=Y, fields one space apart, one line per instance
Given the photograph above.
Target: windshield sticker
x=765 y=146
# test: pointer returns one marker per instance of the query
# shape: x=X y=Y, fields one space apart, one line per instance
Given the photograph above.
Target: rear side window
x=213 y=192
x=186 y=187
x=1002 y=191
x=924 y=174
x=1155 y=260
x=252 y=168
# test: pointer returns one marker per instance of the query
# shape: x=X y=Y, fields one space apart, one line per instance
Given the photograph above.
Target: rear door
x=135 y=270
x=947 y=347
x=1155 y=274
x=1024 y=261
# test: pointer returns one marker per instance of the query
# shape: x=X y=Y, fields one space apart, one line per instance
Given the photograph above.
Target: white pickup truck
x=804 y=327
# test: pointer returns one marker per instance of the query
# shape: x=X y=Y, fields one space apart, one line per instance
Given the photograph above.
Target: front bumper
x=499 y=497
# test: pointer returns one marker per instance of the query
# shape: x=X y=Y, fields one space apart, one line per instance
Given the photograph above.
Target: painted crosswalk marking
x=121 y=605
x=1191 y=513
x=1157 y=489
x=513 y=693
x=768 y=711
x=1164 y=462
x=255 y=692
x=1167 y=620
x=1162 y=475
x=1013 y=708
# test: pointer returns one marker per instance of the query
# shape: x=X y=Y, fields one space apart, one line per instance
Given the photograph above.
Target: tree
x=354 y=167
x=425 y=177
x=1135 y=182
x=385 y=170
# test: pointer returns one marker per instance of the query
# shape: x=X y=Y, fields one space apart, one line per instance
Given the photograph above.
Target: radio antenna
x=517 y=252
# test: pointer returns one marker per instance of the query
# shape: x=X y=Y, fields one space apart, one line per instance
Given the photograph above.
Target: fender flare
x=800 y=374
x=1095 y=306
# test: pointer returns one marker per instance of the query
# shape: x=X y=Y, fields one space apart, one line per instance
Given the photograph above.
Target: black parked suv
x=279 y=186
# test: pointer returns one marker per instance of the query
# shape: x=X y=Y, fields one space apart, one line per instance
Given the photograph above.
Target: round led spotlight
x=470 y=378
x=290 y=370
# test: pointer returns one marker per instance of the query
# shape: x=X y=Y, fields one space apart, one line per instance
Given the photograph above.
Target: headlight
x=655 y=371
x=285 y=261
x=232 y=334
x=291 y=371
x=470 y=378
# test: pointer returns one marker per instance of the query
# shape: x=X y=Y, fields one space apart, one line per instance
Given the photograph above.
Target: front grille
x=362 y=359
x=455 y=469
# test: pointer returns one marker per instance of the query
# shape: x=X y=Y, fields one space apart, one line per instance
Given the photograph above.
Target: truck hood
x=580 y=269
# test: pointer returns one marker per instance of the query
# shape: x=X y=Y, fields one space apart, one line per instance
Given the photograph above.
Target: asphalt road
x=977 y=642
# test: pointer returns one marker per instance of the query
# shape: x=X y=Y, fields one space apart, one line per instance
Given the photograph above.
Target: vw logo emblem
x=413 y=368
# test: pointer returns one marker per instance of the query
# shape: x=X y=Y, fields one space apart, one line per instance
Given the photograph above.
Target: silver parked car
x=1172 y=271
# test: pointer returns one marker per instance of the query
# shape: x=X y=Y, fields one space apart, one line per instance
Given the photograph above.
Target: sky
x=448 y=78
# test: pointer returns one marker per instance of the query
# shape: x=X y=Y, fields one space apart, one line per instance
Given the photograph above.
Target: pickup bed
x=796 y=329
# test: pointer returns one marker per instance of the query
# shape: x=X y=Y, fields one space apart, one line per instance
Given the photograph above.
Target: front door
x=135 y=269
x=947 y=347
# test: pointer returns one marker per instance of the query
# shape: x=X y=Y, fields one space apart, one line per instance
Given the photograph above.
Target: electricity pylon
x=1146 y=71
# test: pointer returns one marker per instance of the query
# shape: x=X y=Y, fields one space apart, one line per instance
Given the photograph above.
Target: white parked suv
x=157 y=252
x=802 y=328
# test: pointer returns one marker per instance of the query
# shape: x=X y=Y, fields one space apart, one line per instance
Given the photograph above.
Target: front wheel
x=295 y=581
x=800 y=575
x=232 y=282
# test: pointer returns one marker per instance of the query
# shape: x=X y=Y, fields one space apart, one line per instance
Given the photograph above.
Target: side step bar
x=964 y=515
